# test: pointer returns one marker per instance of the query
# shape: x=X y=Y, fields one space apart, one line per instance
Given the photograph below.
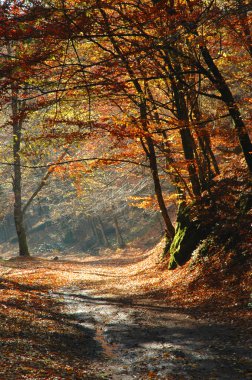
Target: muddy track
x=141 y=340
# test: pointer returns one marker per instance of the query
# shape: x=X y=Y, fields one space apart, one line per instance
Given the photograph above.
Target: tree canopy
x=157 y=84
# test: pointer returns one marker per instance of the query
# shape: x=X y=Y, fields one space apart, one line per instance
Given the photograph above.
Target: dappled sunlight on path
x=136 y=320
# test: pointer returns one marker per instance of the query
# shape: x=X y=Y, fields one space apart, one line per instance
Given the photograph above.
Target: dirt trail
x=141 y=340
x=133 y=324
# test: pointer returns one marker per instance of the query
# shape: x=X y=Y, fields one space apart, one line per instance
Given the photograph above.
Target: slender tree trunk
x=175 y=179
x=17 y=178
x=94 y=230
x=203 y=139
x=151 y=155
x=187 y=139
x=187 y=143
x=234 y=111
x=158 y=189
x=104 y=236
x=119 y=237
x=207 y=150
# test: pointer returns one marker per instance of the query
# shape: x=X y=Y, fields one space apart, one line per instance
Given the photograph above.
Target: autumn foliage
x=158 y=84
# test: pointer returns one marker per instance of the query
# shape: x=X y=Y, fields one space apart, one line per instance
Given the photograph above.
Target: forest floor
x=122 y=315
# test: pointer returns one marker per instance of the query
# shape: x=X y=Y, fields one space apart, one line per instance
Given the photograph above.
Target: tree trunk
x=104 y=236
x=17 y=178
x=158 y=189
x=234 y=111
x=204 y=140
x=205 y=143
x=151 y=155
x=95 y=232
x=119 y=237
x=187 y=143
x=175 y=179
x=187 y=139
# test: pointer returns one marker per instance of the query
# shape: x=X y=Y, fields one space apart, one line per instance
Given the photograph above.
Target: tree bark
x=227 y=97
x=151 y=155
x=119 y=237
x=187 y=139
x=94 y=230
x=17 y=177
x=104 y=236
x=204 y=139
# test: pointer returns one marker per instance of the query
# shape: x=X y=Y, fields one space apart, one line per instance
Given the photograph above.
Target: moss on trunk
x=189 y=232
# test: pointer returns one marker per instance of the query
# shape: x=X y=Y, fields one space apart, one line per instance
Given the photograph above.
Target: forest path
x=120 y=316
x=141 y=340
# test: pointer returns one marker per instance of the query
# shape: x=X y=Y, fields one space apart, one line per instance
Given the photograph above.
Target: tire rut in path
x=141 y=340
